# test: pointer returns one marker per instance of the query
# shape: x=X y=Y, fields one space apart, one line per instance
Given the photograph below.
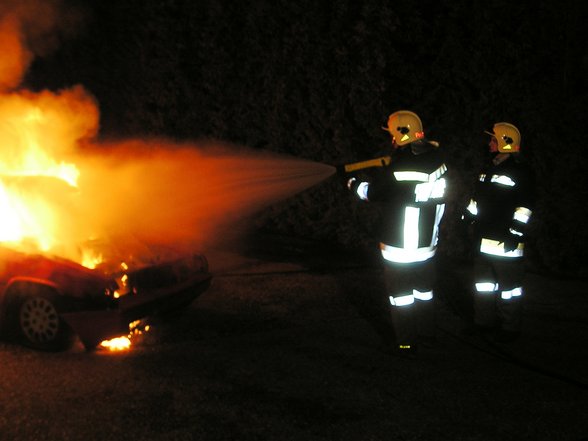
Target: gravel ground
x=288 y=344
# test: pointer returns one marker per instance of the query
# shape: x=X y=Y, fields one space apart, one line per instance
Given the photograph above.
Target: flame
x=123 y=342
x=39 y=134
x=117 y=344
x=59 y=187
x=38 y=181
x=90 y=259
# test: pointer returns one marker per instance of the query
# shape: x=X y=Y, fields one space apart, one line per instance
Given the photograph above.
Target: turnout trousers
x=498 y=291
x=410 y=292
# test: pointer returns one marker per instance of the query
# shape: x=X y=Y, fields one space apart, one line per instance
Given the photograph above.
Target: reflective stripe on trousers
x=491 y=288
x=408 y=299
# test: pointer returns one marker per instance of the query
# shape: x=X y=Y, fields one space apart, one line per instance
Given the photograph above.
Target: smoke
x=30 y=28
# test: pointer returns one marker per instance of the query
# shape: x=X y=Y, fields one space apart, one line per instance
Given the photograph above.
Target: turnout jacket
x=412 y=189
x=502 y=205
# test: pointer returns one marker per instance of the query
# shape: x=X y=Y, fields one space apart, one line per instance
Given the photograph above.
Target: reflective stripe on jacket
x=412 y=190
x=502 y=206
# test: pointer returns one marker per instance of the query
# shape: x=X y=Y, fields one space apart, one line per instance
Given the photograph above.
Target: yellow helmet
x=405 y=126
x=507 y=136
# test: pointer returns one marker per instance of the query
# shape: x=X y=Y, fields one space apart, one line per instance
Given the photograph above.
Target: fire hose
x=382 y=161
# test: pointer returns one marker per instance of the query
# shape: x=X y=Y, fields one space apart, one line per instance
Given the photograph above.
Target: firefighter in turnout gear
x=499 y=211
x=412 y=187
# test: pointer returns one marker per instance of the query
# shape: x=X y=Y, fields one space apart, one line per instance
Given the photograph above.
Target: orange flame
x=60 y=189
x=39 y=133
x=124 y=342
x=117 y=344
x=38 y=175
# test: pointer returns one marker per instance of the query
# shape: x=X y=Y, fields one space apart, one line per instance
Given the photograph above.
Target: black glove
x=511 y=243
x=468 y=218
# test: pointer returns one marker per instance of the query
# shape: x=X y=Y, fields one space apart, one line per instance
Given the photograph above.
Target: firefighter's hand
x=515 y=237
x=468 y=218
x=351 y=184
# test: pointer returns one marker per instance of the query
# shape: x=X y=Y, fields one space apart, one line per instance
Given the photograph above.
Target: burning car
x=48 y=302
x=58 y=282
x=60 y=188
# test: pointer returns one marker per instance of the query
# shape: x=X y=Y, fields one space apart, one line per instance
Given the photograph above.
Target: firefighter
x=499 y=211
x=411 y=187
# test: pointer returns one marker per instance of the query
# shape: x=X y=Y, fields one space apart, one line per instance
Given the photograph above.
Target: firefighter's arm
x=523 y=211
x=520 y=219
x=517 y=229
x=355 y=185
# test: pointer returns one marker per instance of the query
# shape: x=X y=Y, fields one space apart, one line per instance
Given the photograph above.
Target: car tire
x=38 y=324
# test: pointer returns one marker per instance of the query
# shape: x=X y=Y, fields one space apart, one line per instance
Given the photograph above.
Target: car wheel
x=40 y=326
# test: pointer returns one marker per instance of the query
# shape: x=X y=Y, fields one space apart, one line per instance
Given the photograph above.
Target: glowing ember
x=122 y=343
x=117 y=344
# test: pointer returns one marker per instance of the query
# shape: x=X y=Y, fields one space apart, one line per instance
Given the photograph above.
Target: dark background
x=317 y=80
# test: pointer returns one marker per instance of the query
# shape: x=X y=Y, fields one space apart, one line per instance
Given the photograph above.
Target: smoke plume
x=30 y=28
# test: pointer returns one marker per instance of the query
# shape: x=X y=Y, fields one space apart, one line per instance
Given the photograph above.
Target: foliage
x=318 y=79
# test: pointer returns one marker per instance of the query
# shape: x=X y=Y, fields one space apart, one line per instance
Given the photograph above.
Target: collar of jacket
x=500 y=158
x=419 y=147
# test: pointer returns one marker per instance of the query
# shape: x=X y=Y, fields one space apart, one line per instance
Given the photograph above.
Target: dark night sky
x=318 y=79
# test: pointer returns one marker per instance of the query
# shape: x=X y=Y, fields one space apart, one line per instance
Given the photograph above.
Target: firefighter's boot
x=405 y=328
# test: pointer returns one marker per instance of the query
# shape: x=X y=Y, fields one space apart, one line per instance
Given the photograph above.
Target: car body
x=48 y=302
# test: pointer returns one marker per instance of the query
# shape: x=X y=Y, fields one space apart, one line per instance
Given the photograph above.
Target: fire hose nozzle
x=382 y=161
